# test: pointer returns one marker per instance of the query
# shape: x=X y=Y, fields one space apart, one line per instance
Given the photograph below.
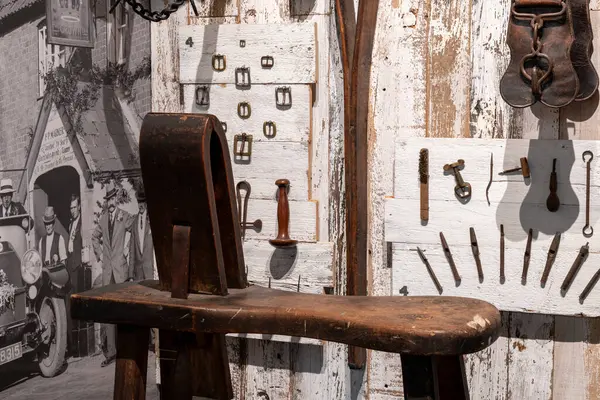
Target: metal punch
x=475 y=250
x=527 y=257
x=243 y=209
x=583 y=253
x=550 y=258
x=430 y=270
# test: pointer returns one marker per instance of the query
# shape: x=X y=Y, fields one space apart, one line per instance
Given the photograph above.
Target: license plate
x=10 y=353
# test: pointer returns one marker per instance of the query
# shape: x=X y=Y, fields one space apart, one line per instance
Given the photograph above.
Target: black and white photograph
x=72 y=213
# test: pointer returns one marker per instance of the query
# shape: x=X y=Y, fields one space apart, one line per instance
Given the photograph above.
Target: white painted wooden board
x=311 y=262
x=513 y=205
x=293 y=47
x=302 y=225
x=293 y=124
x=272 y=161
x=291 y=142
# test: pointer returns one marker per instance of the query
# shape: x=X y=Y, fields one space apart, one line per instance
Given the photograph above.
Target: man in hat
x=52 y=246
x=141 y=249
x=108 y=241
x=75 y=243
x=9 y=208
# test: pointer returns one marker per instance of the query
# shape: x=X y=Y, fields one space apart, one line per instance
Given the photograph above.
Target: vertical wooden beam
x=356 y=112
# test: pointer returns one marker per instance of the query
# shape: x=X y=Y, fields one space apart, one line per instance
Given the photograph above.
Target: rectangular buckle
x=244 y=110
x=283 y=96
x=239 y=150
x=203 y=96
x=242 y=77
x=267 y=62
x=218 y=62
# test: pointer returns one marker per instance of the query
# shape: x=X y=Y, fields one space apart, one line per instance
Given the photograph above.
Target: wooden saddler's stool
x=203 y=293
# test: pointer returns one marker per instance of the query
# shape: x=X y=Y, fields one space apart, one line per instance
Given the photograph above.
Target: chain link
x=542 y=65
x=156 y=16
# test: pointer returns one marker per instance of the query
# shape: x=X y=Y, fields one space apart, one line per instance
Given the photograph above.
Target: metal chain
x=540 y=71
x=156 y=16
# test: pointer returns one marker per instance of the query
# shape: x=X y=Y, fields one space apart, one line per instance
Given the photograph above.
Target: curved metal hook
x=587 y=152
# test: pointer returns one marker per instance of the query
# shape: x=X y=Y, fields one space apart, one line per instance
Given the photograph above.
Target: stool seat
x=420 y=325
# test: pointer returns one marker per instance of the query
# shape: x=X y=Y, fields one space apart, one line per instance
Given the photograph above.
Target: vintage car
x=33 y=319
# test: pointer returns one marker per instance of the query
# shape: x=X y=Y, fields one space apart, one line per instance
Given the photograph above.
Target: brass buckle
x=219 y=62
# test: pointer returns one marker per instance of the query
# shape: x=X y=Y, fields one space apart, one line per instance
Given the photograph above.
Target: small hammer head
x=525 y=167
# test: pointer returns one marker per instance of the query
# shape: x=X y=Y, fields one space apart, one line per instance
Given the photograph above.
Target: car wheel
x=52 y=350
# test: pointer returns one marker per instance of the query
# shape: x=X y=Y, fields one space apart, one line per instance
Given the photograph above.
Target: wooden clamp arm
x=421 y=325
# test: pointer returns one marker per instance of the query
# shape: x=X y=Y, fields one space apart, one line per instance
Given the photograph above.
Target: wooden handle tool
x=283 y=217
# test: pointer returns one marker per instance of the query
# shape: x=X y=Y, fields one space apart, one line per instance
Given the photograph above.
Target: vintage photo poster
x=73 y=210
x=69 y=22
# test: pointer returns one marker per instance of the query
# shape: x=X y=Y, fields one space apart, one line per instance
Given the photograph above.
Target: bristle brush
x=424 y=179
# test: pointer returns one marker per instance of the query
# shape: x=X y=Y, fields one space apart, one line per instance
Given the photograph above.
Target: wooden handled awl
x=283 y=217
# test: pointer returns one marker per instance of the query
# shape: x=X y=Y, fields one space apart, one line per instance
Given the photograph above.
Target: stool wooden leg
x=175 y=367
x=434 y=378
x=132 y=363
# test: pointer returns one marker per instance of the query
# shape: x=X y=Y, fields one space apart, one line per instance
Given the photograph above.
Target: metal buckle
x=283 y=96
x=218 y=62
x=238 y=151
x=269 y=129
x=203 y=95
x=244 y=110
x=242 y=43
x=267 y=61
x=242 y=77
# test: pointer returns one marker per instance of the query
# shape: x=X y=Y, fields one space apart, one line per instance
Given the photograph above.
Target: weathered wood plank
x=487 y=371
x=580 y=120
x=268 y=370
x=303 y=220
x=591 y=356
x=292 y=124
x=490 y=116
x=267 y=165
x=309 y=265
x=531 y=346
x=449 y=68
x=398 y=82
x=292 y=46
x=570 y=334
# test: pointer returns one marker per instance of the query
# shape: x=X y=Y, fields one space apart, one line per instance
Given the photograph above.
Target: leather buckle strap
x=551 y=44
x=539 y=62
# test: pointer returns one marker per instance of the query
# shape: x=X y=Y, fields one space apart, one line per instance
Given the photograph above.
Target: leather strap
x=540 y=68
x=581 y=51
x=538 y=3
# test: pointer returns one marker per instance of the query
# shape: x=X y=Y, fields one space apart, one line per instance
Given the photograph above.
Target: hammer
x=524 y=168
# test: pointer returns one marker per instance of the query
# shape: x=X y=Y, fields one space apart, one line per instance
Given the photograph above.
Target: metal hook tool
x=588 y=231
x=243 y=212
